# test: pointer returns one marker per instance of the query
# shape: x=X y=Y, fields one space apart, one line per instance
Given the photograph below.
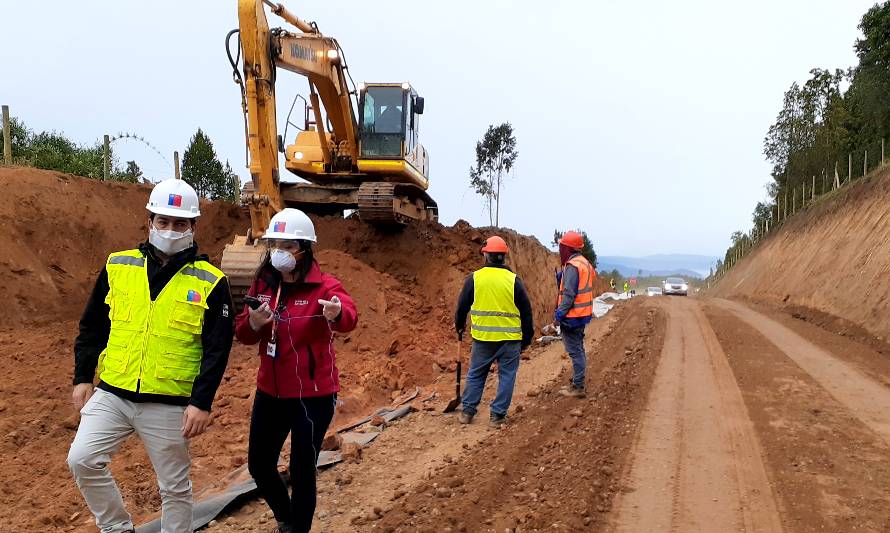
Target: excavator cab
x=389 y=120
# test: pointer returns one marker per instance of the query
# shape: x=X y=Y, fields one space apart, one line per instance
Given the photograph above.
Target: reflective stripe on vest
x=494 y=315
x=155 y=347
x=583 y=304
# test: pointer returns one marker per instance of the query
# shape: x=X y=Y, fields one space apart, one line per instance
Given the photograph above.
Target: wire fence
x=105 y=172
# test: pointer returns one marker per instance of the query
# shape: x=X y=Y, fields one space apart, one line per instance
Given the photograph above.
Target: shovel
x=452 y=405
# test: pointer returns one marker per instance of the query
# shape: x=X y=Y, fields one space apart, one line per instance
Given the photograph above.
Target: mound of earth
x=59 y=228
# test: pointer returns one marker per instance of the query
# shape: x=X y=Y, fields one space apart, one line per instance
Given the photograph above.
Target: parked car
x=653 y=291
x=676 y=286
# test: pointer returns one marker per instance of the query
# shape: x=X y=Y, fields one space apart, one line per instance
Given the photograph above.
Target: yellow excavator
x=368 y=164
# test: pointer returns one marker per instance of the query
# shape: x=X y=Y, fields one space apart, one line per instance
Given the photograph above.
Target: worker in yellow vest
x=501 y=325
x=156 y=331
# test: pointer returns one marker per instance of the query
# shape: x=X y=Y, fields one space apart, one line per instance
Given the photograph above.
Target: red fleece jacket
x=305 y=364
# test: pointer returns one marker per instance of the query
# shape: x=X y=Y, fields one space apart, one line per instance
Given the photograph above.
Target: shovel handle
x=457 y=373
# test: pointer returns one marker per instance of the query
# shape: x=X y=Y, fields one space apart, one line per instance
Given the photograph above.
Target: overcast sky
x=640 y=122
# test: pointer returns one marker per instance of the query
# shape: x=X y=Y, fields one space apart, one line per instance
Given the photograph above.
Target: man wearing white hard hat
x=298 y=310
x=156 y=332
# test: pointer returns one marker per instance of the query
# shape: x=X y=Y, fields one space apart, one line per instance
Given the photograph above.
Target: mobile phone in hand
x=253 y=303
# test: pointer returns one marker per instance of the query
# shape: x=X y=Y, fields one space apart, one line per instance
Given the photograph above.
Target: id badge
x=271 y=349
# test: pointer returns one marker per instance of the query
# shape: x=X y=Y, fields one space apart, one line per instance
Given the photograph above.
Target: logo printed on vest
x=301 y=302
x=175 y=200
x=193 y=296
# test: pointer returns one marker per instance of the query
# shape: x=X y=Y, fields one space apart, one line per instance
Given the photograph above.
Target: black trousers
x=307 y=420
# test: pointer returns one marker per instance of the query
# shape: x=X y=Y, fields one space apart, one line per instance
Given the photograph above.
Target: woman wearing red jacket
x=298 y=381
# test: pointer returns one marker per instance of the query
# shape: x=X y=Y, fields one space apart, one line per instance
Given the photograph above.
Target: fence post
x=849 y=167
x=176 y=163
x=813 y=192
x=105 y=158
x=882 y=152
x=865 y=164
x=7 y=137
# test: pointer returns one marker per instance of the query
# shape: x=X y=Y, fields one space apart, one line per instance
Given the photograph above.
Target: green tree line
x=833 y=115
x=51 y=150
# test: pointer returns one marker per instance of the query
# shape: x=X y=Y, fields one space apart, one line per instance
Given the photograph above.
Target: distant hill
x=659 y=264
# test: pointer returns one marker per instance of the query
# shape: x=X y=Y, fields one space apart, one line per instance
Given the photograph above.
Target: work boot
x=465 y=418
x=284 y=528
x=573 y=392
x=497 y=420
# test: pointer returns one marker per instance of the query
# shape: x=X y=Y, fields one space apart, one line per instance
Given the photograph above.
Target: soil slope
x=832 y=259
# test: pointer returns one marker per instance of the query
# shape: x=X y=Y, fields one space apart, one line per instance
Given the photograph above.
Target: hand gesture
x=259 y=317
x=332 y=308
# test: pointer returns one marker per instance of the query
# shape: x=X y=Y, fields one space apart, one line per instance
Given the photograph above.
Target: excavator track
x=240 y=262
x=384 y=203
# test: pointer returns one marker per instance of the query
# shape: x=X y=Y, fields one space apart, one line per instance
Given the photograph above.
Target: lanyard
x=275 y=314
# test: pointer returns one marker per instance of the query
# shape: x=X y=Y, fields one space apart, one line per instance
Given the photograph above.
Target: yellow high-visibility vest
x=155 y=346
x=494 y=315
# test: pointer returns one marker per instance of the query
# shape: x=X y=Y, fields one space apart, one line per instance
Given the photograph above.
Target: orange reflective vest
x=583 y=305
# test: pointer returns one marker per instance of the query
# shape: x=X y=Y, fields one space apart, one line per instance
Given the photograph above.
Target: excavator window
x=383 y=121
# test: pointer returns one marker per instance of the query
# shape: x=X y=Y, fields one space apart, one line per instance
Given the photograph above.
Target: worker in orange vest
x=575 y=306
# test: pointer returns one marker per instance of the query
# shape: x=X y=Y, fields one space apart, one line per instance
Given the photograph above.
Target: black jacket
x=520 y=298
x=216 y=337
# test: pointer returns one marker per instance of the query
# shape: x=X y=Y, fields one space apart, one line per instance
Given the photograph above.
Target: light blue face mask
x=283 y=261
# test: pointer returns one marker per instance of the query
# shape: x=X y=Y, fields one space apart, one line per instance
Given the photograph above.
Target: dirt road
x=697 y=464
x=702 y=416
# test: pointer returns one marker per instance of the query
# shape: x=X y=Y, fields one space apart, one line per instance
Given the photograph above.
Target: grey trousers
x=105 y=422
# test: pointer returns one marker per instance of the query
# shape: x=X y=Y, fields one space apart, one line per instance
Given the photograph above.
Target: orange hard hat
x=495 y=245
x=572 y=239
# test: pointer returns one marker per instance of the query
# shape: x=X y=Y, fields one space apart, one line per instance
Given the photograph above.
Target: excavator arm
x=319 y=59
x=310 y=54
x=259 y=103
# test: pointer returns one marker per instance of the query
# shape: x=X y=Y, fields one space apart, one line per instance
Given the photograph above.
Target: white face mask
x=283 y=261
x=170 y=242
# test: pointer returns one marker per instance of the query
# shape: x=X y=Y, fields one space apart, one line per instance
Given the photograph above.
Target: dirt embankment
x=57 y=230
x=832 y=259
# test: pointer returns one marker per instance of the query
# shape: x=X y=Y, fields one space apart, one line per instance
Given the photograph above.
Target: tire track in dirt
x=865 y=397
x=830 y=471
x=697 y=462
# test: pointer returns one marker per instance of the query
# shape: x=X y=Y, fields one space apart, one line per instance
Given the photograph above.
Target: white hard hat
x=174 y=198
x=290 y=224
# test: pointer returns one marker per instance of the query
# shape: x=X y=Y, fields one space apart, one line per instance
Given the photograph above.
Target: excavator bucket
x=240 y=262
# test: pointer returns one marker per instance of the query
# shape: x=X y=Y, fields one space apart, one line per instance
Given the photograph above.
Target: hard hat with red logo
x=174 y=198
x=495 y=245
x=573 y=240
x=290 y=224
